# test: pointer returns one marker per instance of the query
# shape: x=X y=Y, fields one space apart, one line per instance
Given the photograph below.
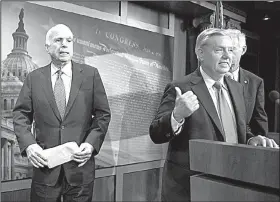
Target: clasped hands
x=34 y=154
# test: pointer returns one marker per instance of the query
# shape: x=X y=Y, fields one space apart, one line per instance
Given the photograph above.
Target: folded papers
x=60 y=154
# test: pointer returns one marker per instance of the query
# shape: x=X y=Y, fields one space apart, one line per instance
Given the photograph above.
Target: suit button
x=62 y=127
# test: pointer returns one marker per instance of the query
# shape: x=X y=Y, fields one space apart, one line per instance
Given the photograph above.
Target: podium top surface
x=257 y=165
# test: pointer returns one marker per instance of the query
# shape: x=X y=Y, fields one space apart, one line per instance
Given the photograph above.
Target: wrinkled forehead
x=61 y=32
x=219 y=41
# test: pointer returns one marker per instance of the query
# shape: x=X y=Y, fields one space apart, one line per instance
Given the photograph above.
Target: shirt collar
x=236 y=74
x=67 y=69
x=209 y=81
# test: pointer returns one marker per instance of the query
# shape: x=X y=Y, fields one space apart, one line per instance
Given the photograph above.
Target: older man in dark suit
x=68 y=103
x=201 y=105
x=253 y=86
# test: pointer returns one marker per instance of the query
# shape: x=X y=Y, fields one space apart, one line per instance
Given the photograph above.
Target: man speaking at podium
x=203 y=105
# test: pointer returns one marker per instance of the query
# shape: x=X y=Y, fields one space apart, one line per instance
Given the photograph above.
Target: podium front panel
x=204 y=188
x=251 y=164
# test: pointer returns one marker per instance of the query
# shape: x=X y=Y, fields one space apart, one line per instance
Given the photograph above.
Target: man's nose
x=226 y=54
x=64 y=43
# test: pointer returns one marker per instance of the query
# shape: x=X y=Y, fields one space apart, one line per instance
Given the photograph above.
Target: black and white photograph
x=140 y=101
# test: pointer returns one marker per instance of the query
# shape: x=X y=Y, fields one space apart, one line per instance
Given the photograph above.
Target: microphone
x=274 y=96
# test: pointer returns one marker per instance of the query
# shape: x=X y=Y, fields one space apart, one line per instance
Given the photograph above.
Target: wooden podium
x=233 y=172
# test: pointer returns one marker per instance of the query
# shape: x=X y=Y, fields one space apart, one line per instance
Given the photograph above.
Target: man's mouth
x=224 y=63
x=63 y=52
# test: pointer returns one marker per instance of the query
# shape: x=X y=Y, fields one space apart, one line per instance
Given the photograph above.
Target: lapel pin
x=245 y=81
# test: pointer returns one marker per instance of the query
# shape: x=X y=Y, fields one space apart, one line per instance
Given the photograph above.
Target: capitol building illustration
x=14 y=70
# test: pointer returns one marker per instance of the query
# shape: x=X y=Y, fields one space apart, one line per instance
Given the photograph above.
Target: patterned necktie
x=59 y=94
x=227 y=119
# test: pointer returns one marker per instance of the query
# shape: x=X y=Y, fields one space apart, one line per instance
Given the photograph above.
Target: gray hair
x=54 y=29
x=237 y=34
x=206 y=34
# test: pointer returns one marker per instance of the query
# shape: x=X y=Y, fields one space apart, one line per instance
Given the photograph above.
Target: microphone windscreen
x=273 y=95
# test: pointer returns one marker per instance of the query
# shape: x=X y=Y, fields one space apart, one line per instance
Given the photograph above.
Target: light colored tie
x=226 y=115
x=59 y=94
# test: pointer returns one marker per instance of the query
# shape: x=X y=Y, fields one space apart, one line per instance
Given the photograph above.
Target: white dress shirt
x=213 y=93
x=66 y=78
x=236 y=74
x=176 y=126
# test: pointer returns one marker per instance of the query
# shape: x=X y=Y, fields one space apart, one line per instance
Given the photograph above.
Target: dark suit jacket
x=202 y=124
x=254 y=100
x=86 y=119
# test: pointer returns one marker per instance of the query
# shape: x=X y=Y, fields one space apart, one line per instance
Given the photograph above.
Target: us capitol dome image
x=14 y=70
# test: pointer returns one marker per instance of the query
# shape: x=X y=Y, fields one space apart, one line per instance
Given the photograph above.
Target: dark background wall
x=268 y=31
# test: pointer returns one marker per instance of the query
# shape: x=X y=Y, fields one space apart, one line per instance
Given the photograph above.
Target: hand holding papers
x=34 y=154
x=60 y=154
x=84 y=154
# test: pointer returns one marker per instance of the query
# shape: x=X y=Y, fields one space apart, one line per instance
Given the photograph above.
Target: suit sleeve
x=101 y=113
x=160 y=129
x=23 y=117
x=259 y=121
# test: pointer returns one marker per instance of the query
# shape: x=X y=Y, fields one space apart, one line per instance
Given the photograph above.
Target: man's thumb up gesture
x=178 y=92
x=185 y=104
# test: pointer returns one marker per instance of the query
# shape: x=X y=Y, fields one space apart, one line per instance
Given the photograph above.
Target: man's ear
x=244 y=49
x=47 y=47
x=200 y=54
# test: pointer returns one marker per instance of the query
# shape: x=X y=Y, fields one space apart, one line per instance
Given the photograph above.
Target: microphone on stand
x=274 y=97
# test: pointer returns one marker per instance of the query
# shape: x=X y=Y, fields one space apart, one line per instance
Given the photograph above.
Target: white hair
x=237 y=34
x=205 y=35
x=54 y=29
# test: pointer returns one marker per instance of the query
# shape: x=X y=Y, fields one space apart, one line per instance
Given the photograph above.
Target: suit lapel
x=243 y=80
x=47 y=87
x=77 y=79
x=239 y=107
x=200 y=90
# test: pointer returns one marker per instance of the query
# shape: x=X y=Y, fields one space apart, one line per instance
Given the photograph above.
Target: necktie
x=227 y=119
x=59 y=94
